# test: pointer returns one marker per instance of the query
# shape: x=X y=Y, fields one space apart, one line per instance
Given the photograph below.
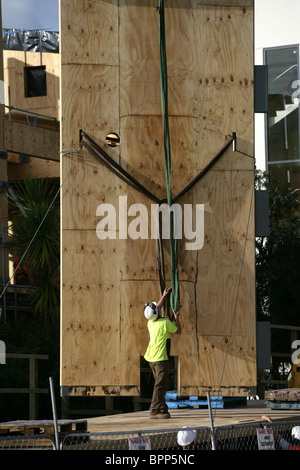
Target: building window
x=283 y=137
x=35 y=81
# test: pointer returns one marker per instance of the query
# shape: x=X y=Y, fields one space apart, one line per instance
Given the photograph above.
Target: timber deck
x=140 y=420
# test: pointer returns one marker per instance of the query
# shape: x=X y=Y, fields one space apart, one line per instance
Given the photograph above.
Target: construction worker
x=283 y=444
x=160 y=330
x=22 y=274
x=186 y=438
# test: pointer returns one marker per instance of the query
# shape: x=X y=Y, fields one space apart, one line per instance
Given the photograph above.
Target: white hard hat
x=296 y=432
x=186 y=437
x=151 y=311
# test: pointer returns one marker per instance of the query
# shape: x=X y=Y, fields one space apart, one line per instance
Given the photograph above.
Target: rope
x=99 y=154
x=109 y=163
x=205 y=169
x=167 y=153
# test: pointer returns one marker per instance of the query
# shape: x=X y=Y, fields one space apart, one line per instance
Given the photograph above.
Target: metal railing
x=33 y=389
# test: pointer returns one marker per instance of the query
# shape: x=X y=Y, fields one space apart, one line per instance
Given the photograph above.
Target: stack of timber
x=173 y=401
x=284 y=399
x=33 y=434
x=31 y=427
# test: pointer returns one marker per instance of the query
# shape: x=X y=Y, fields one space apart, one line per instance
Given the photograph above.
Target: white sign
x=139 y=443
x=265 y=439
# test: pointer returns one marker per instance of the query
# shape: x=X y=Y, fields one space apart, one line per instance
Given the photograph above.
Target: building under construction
x=111 y=70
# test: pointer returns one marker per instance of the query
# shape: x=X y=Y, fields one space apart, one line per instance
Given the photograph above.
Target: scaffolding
x=12 y=291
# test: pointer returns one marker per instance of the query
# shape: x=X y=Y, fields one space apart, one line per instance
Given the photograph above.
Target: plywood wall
x=110 y=82
x=40 y=139
x=13 y=65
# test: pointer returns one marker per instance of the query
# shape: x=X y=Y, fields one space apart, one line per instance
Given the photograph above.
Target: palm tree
x=34 y=239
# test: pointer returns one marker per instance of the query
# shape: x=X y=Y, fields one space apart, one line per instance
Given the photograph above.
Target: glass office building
x=282 y=123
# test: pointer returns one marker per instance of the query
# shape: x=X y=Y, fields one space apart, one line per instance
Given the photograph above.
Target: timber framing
x=41 y=141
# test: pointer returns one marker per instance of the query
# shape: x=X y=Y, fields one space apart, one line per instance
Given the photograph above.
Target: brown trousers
x=160 y=372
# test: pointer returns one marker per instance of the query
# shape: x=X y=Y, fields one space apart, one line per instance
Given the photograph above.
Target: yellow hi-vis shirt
x=159 y=332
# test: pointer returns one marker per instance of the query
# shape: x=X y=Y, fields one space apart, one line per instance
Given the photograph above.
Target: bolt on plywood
x=110 y=83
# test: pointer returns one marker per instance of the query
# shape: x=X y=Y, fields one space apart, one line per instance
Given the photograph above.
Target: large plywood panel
x=92 y=325
x=89 y=32
x=89 y=185
x=219 y=310
x=89 y=94
x=226 y=262
x=140 y=66
x=210 y=95
x=225 y=77
x=90 y=320
x=144 y=156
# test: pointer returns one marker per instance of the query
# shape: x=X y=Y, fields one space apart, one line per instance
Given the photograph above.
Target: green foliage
x=278 y=257
x=35 y=239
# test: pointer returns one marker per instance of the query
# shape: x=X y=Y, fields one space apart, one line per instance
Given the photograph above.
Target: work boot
x=160 y=416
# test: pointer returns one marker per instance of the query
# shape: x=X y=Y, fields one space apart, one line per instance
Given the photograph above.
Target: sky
x=30 y=14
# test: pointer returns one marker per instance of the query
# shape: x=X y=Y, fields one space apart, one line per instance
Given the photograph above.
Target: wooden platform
x=251 y=413
x=31 y=427
x=286 y=394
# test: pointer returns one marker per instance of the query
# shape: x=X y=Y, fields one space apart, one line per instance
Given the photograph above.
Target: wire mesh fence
x=23 y=442
x=162 y=439
x=242 y=437
x=269 y=436
x=234 y=437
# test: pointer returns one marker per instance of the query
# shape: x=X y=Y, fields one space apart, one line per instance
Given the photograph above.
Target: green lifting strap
x=167 y=153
